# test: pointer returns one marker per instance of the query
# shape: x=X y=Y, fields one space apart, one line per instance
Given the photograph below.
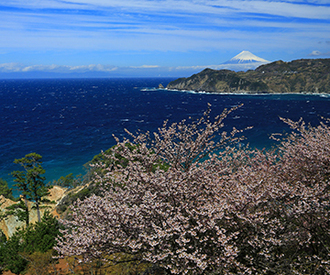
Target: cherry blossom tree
x=190 y=201
x=283 y=203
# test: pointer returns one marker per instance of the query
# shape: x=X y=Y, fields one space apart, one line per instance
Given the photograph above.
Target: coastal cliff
x=9 y=224
x=298 y=76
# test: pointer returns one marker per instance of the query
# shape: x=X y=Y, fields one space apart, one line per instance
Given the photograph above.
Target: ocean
x=68 y=121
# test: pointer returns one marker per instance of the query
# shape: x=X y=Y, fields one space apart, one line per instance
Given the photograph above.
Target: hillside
x=298 y=76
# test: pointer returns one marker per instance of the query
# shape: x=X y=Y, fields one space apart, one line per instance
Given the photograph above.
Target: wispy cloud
x=117 y=27
x=307 y=9
x=11 y=67
x=145 y=67
x=111 y=70
x=16 y=67
x=233 y=67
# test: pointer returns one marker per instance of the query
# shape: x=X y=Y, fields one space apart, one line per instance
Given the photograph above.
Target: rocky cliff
x=298 y=76
x=9 y=224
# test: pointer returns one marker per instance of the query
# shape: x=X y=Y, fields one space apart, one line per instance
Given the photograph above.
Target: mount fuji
x=246 y=57
x=244 y=61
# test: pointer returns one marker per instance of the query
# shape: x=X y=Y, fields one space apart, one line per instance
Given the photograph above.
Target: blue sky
x=155 y=37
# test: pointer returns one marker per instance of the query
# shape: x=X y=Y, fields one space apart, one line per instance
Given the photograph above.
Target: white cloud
x=92 y=67
x=63 y=69
x=145 y=67
x=15 y=67
x=315 y=53
x=233 y=67
x=10 y=67
x=318 y=53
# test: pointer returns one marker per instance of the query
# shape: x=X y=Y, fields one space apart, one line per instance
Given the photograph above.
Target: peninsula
x=310 y=76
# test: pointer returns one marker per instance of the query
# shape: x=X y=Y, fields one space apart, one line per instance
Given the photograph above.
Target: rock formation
x=10 y=223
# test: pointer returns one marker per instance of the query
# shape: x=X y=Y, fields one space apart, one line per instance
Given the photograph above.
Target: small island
x=303 y=76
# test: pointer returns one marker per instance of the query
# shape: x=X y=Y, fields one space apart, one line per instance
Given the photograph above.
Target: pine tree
x=5 y=190
x=31 y=182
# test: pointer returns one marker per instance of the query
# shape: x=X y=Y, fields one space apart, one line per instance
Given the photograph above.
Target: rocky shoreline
x=304 y=76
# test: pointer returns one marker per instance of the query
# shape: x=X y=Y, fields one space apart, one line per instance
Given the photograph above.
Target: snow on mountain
x=242 y=62
x=246 y=57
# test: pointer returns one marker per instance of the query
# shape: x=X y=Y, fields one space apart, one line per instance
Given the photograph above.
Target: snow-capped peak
x=246 y=57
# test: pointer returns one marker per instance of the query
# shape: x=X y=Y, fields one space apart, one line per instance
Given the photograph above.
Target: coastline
x=296 y=77
x=244 y=93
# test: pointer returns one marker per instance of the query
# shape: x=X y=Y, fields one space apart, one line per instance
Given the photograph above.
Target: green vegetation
x=69 y=181
x=20 y=210
x=31 y=182
x=15 y=253
x=5 y=190
x=298 y=76
x=85 y=192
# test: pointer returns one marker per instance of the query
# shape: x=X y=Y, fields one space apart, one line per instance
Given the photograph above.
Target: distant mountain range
x=298 y=76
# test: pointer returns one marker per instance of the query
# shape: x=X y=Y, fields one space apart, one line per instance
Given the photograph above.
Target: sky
x=154 y=37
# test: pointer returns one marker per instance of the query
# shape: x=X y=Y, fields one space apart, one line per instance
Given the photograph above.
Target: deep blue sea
x=68 y=121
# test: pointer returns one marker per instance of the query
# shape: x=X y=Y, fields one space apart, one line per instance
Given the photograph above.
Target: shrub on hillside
x=37 y=239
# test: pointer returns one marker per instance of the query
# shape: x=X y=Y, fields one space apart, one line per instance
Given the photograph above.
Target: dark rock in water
x=160 y=86
x=298 y=76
